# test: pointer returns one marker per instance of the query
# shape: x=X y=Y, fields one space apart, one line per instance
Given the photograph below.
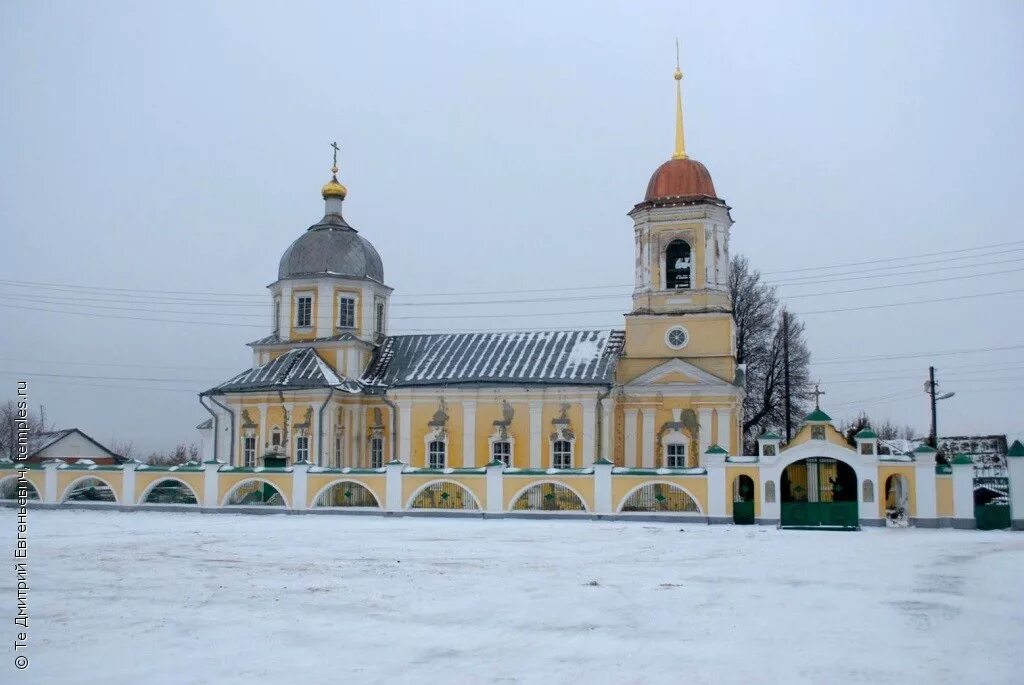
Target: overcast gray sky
x=181 y=147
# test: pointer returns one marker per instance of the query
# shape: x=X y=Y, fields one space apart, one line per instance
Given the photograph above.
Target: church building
x=330 y=386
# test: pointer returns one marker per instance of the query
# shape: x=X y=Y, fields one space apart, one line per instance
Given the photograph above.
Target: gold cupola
x=333 y=188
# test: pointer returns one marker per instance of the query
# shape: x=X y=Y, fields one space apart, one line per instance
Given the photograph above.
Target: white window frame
x=506 y=459
x=664 y=263
x=299 y=297
x=377 y=452
x=572 y=453
x=249 y=451
x=301 y=448
x=669 y=456
x=276 y=436
x=379 y=312
x=430 y=453
x=686 y=339
x=344 y=297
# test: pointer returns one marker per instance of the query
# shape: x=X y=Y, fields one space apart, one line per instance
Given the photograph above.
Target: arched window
x=436 y=454
x=561 y=453
x=677 y=265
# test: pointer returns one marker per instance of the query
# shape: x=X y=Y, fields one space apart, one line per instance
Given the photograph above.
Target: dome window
x=304 y=311
x=346 y=312
x=677 y=265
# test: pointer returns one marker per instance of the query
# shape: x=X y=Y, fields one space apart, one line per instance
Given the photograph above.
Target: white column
x=704 y=418
x=495 y=489
x=469 y=433
x=128 y=484
x=589 y=427
x=288 y=443
x=314 y=442
x=1015 y=465
x=603 y=488
x=629 y=436
x=404 y=430
x=536 y=431
x=49 y=493
x=324 y=322
x=360 y=430
x=262 y=445
x=709 y=257
x=350 y=440
x=284 y=318
x=210 y=483
x=393 y=486
x=963 y=495
x=647 y=438
x=926 y=506
x=607 y=416
x=715 y=465
x=725 y=430
x=299 y=486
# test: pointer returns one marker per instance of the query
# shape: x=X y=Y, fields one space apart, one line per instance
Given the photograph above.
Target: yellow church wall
x=881 y=491
x=145 y=478
x=336 y=315
x=734 y=472
x=476 y=484
x=630 y=368
x=944 y=495
x=114 y=479
x=710 y=335
x=624 y=485
x=230 y=479
x=553 y=410
x=422 y=414
x=302 y=333
x=515 y=486
x=317 y=482
x=486 y=414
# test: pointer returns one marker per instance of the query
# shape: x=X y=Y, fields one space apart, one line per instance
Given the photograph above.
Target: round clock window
x=677 y=337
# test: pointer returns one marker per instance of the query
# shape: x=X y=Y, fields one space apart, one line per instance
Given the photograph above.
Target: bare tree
x=759 y=345
x=9 y=418
x=123 y=448
x=179 y=455
x=885 y=430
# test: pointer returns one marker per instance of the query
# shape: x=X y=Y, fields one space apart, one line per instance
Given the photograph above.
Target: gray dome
x=331 y=247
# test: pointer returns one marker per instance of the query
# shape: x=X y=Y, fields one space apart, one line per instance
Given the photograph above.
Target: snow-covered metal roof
x=551 y=357
x=300 y=368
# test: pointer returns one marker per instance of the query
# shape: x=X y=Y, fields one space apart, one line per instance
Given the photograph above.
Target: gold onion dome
x=333 y=188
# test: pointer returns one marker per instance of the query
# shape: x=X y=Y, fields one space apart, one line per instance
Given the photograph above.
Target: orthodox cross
x=334 y=167
x=817 y=395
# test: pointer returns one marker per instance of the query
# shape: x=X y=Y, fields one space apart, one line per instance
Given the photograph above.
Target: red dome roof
x=680 y=178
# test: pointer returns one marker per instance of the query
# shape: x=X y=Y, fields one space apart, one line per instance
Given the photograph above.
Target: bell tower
x=681 y=303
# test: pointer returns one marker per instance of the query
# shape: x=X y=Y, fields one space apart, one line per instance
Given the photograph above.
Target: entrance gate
x=819 y=493
x=992 y=502
x=743 y=500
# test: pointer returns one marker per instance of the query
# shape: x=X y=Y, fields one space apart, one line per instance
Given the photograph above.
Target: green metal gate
x=743 y=500
x=992 y=516
x=819 y=493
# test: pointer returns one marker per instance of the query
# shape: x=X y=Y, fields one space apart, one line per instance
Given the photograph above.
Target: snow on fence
x=603 y=490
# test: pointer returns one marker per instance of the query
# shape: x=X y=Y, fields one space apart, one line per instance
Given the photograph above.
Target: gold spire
x=332 y=188
x=680 y=152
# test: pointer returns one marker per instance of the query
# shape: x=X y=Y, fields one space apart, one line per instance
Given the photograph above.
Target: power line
x=912 y=302
x=943 y=353
x=894 y=259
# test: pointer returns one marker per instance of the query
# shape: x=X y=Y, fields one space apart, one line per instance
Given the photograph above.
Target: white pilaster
x=49 y=493
x=1015 y=465
x=725 y=429
x=300 y=486
x=589 y=428
x=128 y=484
x=963 y=495
x=262 y=445
x=393 y=486
x=495 y=489
x=715 y=465
x=314 y=441
x=607 y=416
x=629 y=436
x=925 y=509
x=647 y=438
x=360 y=437
x=405 y=430
x=468 y=433
x=603 y=487
x=211 y=476
x=536 y=432
x=323 y=324
x=704 y=418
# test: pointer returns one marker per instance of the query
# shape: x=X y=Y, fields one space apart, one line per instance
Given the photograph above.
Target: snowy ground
x=151 y=597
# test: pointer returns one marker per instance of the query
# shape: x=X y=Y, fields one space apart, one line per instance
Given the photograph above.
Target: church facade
x=330 y=386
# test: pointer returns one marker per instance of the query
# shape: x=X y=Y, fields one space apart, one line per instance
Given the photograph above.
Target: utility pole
x=785 y=368
x=933 y=437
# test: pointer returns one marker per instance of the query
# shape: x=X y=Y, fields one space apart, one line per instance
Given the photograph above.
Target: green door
x=819 y=493
x=743 y=500
x=992 y=516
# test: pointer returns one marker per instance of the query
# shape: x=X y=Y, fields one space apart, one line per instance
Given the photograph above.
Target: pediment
x=675 y=373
